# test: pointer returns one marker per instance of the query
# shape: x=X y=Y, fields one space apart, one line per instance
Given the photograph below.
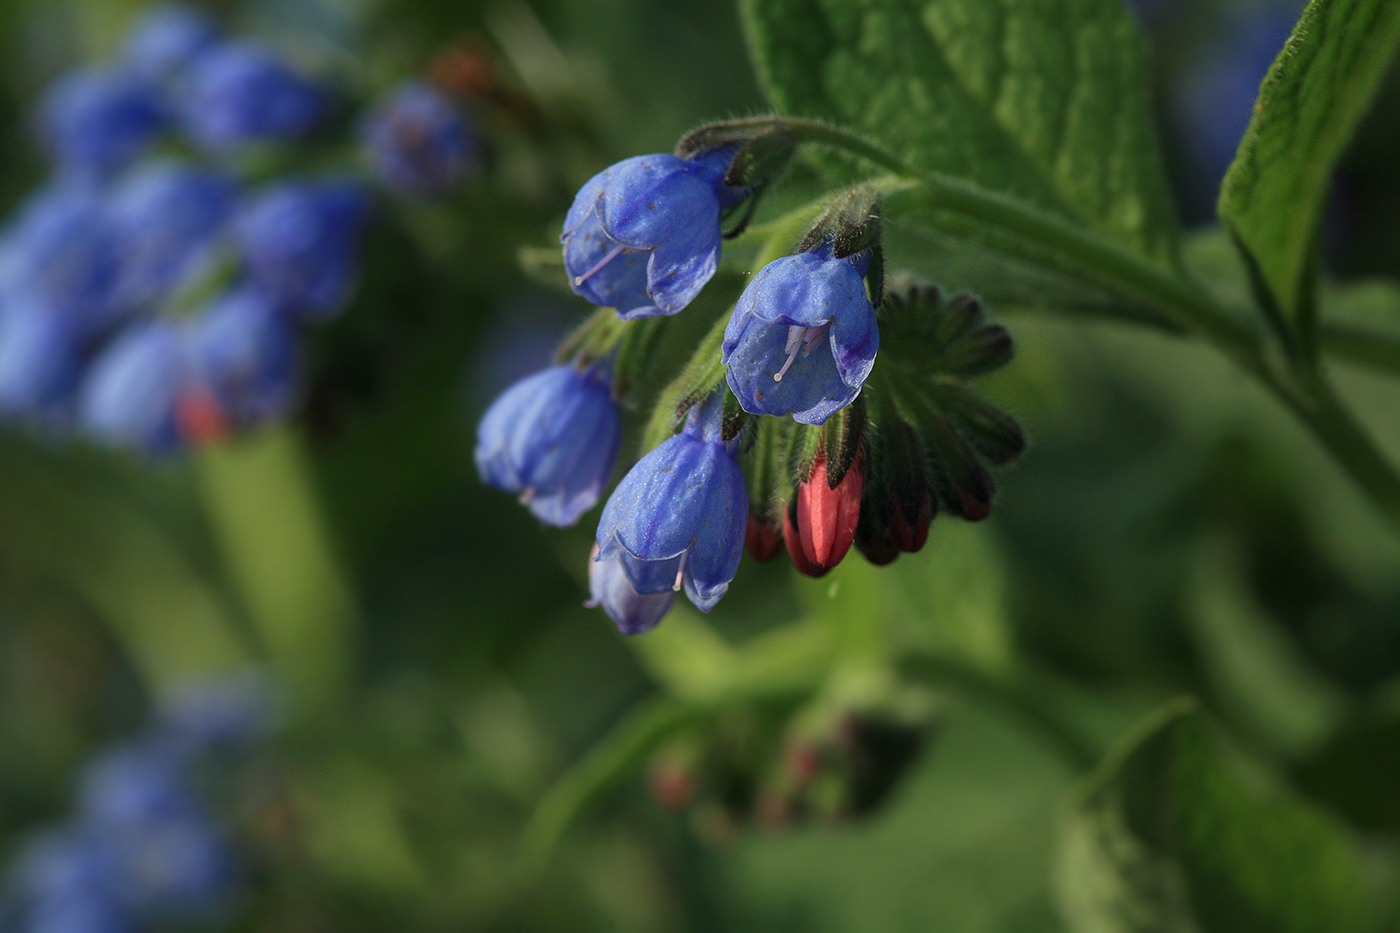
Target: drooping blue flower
x=243 y=358
x=167 y=38
x=242 y=92
x=803 y=337
x=65 y=880
x=40 y=359
x=419 y=142
x=643 y=236
x=134 y=784
x=634 y=613
x=131 y=391
x=167 y=218
x=98 y=119
x=552 y=438
x=678 y=517
x=300 y=242
x=177 y=867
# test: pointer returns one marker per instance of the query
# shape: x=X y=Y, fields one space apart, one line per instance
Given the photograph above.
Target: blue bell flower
x=242 y=92
x=131 y=391
x=643 y=236
x=803 y=337
x=677 y=519
x=40 y=359
x=300 y=242
x=634 y=613
x=243 y=359
x=552 y=438
x=167 y=219
x=419 y=142
x=96 y=120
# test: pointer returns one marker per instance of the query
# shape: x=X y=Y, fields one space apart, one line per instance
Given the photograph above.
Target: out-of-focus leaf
x=1354 y=773
x=1311 y=101
x=1044 y=102
x=1165 y=837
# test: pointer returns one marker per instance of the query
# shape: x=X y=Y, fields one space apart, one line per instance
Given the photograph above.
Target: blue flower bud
x=134 y=785
x=241 y=92
x=553 y=438
x=803 y=337
x=300 y=241
x=243 y=359
x=419 y=142
x=204 y=715
x=167 y=219
x=643 y=236
x=40 y=359
x=678 y=517
x=130 y=394
x=633 y=612
x=168 y=38
x=96 y=120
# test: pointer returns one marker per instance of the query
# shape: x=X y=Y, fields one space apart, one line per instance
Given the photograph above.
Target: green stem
x=262 y=505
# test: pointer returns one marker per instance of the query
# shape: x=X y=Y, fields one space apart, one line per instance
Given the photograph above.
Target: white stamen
x=527 y=495
x=680 y=571
x=612 y=254
x=795 y=340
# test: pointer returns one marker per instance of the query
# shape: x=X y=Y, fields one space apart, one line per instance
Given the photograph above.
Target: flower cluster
x=780 y=397
x=152 y=295
x=145 y=846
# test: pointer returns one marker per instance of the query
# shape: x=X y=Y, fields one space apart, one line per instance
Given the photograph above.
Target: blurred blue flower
x=241 y=92
x=134 y=784
x=98 y=119
x=243 y=358
x=553 y=438
x=678 y=517
x=1214 y=99
x=419 y=141
x=643 y=236
x=803 y=337
x=167 y=218
x=609 y=587
x=40 y=359
x=168 y=38
x=205 y=715
x=174 y=867
x=300 y=242
x=62 y=253
x=129 y=396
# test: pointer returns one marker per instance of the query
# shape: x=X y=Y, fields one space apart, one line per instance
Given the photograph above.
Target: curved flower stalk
x=643 y=236
x=677 y=519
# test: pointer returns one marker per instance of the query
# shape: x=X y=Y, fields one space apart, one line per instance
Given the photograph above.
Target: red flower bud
x=763 y=539
x=827 y=517
x=793 y=538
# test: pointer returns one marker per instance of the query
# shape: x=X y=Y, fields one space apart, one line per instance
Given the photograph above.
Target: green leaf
x=1309 y=104
x=1165 y=837
x=1045 y=102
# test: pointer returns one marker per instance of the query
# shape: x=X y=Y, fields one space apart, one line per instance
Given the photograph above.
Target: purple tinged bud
x=803 y=337
x=96 y=120
x=643 y=236
x=419 y=142
x=300 y=241
x=241 y=92
x=167 y=220
x=168 y=38
x=552 y=438
x=130 y=395
x=677 y=520
x=608 y=586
